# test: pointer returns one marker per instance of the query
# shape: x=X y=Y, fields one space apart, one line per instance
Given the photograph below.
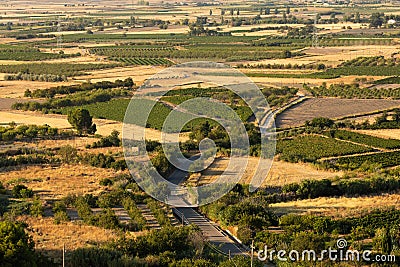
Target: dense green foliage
x=344 y=187
x=81 y=120
x=138 y=222
x=159 y=212
x=70 y=89
x=21 y=191
x=109 y=141
x=21 y=132
x=103 y=161
x=249 y=213
x=77 y=99
x=16 y=246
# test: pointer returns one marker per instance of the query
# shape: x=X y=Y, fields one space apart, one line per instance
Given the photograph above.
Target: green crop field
x=22 y=53
x=386 y=159
x=310 y=148
x=364 y=139
x=54 y=68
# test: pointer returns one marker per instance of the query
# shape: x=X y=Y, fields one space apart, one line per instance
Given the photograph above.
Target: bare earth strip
x=331 y=108
x=338 y=206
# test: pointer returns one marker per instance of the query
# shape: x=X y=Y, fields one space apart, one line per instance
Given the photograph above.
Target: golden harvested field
x=280 y=173
x=383 y=133
x=338 y=206
x=15 y=89
x=104 y=127
x=331 y=108
x=137 y=73
x=55 y=182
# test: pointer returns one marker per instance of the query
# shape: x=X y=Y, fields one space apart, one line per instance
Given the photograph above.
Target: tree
x=37 y=207
x=81 y=120
x=287 y=53
x=288 y=10
x=376 y=20
x=16 y=247
x=267 y=11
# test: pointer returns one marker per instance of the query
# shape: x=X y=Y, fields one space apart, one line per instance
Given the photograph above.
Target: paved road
x=210 y=230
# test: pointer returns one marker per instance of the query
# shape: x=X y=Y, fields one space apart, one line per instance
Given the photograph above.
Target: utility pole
x=59 y=37
x=252 y=253
x=63 y=256
x=315 y=33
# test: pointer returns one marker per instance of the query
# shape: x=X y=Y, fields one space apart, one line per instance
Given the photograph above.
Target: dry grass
x=49 y=237
x=280 y=173
x=55 y=182
x=384 y=133
x=15 y=89
x=338 y=206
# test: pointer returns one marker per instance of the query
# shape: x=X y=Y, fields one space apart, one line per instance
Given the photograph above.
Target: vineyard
x=227 y=52
x=385 y=159
x=143 y=61
x=61 y=69
x=364 y=139
x=22 y=53
x=354 y=91
x=365 y=70
x=310 y=148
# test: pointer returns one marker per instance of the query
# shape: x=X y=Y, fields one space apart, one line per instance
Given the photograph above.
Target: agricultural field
x=311 y=148
x=331 y=108
x=68 y=71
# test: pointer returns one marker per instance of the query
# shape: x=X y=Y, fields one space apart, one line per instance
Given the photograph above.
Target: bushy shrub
x=21 y=191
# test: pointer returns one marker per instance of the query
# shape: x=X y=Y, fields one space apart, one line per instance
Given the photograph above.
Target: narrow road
x=216 y=236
